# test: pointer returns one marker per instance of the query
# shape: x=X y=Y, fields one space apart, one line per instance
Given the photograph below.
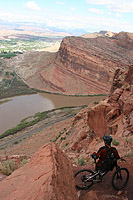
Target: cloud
x=124 y=6
x=72 y=8
x=32 y=6
x=60 y=2
x=7 y=16
x=95 y=10
x=89 y=23
x=117 y=15
x=99 y=2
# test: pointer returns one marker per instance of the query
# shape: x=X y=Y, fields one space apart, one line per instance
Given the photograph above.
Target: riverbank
x=18 y=87
x=14 y=86
x=34 y=124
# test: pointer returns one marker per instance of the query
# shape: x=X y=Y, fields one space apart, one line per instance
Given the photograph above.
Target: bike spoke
x=120 y=178
x=84 y=179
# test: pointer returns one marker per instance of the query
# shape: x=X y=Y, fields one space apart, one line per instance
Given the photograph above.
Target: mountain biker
x=107 y=155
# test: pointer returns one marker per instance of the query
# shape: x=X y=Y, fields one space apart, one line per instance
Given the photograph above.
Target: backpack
x=110 y=160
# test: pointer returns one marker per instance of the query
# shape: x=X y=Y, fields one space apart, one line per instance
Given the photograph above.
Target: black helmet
x=107 y=139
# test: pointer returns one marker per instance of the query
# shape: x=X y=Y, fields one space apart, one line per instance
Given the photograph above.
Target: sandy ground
x=53 y=48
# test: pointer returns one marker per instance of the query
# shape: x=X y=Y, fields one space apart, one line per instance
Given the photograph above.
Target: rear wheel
x=84 y=179
x=120 y=178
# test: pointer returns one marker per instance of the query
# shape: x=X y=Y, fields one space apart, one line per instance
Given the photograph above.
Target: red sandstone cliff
x=112 y=116
x=81 y=66
x=48 y=176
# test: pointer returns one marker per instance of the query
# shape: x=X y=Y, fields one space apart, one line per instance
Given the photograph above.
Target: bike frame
x=90 y=177
x=98 y=173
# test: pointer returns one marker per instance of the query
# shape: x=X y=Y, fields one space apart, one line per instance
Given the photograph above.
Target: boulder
x=48 y=175
x=97 y=118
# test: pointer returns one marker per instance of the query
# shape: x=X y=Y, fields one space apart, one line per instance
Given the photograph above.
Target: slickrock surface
x=48 y=175
x=81 y=66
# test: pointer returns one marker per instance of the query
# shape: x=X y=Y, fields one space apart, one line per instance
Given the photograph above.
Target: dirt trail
x=105 y=191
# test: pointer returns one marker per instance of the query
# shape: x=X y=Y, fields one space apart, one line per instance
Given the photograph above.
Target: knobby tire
x=79 y=178
x=121 y=174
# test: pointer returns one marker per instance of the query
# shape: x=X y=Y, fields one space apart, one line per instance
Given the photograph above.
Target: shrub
x=24 y=161
x=96 y=102
x=23 y=124
x=58 y=136
x=7 y=167
x=62 y=138
x=81 y=161
x=67 y=133
x=16 y=142
x=115 y=142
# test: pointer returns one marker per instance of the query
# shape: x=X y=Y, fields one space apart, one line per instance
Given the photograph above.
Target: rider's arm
x=116 y=153
x=98 y=154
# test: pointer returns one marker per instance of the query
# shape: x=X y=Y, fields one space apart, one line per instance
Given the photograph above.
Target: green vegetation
x=24 y=123
x=58 y=136
x=82 y=161
x=68 y=133
x=14 y=86
x=62 y=138
x=24 y=161
x=16 y=142
x=7 y=167
x=19 y=45
x=72 y=95
x=115 y=142
x=32 y=120
x=4 y=101
x=96 y=102
x=7 y=54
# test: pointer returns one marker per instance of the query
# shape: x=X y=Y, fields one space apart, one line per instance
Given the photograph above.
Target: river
x=20 y=107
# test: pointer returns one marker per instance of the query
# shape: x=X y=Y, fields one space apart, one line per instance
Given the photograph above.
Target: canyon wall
x=113 y=116
x=81 y=66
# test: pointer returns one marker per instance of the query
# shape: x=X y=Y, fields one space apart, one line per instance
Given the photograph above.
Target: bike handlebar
x=94 y=156
x=122 y=159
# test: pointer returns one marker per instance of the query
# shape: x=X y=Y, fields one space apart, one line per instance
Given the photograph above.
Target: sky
x=88 y=15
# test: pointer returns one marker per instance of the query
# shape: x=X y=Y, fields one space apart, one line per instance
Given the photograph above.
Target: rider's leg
x=98 y=166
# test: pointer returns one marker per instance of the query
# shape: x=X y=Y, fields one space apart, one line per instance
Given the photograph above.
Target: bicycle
x=85 y=178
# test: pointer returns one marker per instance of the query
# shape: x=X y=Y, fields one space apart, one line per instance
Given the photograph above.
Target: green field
x=27 y=43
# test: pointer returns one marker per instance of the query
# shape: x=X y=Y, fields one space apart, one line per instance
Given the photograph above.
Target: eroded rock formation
x=81 y=66
x=48 y=175
x=112 y=116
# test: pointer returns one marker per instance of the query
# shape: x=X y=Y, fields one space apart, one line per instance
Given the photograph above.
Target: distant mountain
x=98 y=34
x=32 y=27
x=39 y=27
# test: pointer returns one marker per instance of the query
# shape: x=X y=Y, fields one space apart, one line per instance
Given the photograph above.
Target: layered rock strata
x=81 y=66
x=113 y=116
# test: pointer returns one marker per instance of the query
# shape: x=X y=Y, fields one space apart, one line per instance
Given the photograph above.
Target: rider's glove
x=122 y=159
x=94 y=156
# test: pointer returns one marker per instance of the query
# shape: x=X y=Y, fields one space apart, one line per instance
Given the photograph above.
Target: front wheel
x=84 y=179
x=120 y=178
